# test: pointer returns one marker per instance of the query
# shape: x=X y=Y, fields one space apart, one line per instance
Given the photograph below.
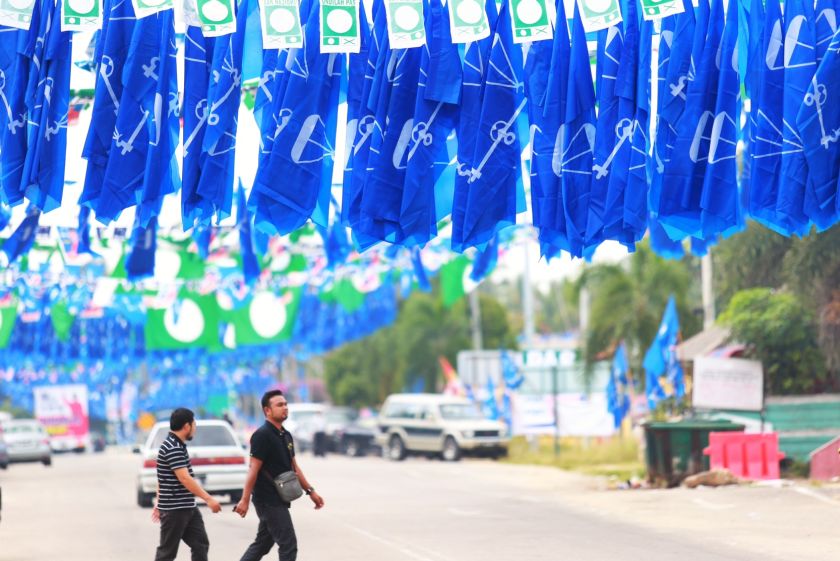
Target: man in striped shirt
x=176 y=509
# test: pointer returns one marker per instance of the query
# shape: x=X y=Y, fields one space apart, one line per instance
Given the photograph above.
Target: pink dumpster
x=749 y=456
x=825 y=461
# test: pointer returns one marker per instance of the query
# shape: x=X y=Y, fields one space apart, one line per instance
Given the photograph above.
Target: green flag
x=192 y=321
x=453 y=278
x=8 y=316
x=345 y=293
x=266 y=318
x=62 y=320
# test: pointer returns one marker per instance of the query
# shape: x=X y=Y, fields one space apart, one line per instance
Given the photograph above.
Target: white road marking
x=814 y=495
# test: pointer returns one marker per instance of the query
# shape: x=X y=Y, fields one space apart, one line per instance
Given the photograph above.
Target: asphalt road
x=83 y=508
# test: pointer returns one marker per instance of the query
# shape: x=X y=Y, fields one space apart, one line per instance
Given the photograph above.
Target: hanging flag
x=145 y=8
x=663 y=372
x=198 y=61
x=672 y=94
x=468 y=22
x=339 y=26
x=47 y=102
x=435 y=116
x=81 y=15
x=531 y=20
x=490 y=403
x=192 y=321
x=661 y=244
x=84 y=231
x=8 y=318
x=140 y=261
x=14 y=74
x=455 y=280
x=250 y=264
x=420 y=271
x=511 y=373
x=106 y=98
x=302 y=152
x=267 y=318
x=23 y=238
x=769 y=109
x=658 y=9
x=599 y=14
x=475 y=66
x=494 y=196
x=405 y=20
x=215 y=184
x=819 y=124
x=217 y=17
x=720 y=200
x=18 y=15
x=618 y=400
x=281 y=25
x=826 y=25
x=800 y=66
x=485 y=261
x=578 y=143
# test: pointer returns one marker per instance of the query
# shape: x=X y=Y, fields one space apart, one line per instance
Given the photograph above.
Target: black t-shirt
x=275 y=449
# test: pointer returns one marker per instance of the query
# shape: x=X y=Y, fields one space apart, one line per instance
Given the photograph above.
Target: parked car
x=217 y=456
x=436 y=424
x=336 y=421
x=26 y=441
x=4 y=453
x=359 y=438
x=305 y=419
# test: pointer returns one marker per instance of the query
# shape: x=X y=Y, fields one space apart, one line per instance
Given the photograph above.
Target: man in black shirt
x=272 y=453
x=175 y=510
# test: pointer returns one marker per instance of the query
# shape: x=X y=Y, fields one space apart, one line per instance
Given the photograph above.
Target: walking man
x=272 y=453
x=176 y=509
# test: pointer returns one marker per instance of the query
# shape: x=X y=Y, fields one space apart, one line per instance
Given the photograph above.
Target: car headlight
x=468 y=433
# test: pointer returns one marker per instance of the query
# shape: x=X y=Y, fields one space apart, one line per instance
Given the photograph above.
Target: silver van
x=436 y=424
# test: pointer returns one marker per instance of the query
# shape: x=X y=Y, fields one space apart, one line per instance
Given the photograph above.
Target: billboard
x=63 y=411
x=728 y=383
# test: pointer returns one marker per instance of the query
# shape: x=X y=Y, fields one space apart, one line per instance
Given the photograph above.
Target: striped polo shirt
x=173 y=455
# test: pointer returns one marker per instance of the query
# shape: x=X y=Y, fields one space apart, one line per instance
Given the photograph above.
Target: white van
x=436 y=424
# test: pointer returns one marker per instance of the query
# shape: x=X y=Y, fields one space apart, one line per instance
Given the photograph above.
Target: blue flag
x=250 y=263
x=768 y=145
x=14 y=75
x=140 y=261
x=826 y=25
x=419 y=270
x=819 y=124
x=485 y=260
x=435 y=115
x=203 y=235
x=511 y=374
x=800 y=67
x=302 y=152
x=493 y=198
x=752 y=83
x=115 y=41
x=476 y=64
x=661 y=359
x=665 y=133
x=84 y=231
x=618 y=400
x=47 y=102
x=661 y=244
x=578 y=142
x=720 y=201
x=674 y=93
x=23 y=238
x=198 y=60
x=491 y=405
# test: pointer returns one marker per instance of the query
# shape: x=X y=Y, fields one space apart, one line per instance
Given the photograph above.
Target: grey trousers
x=275 y=528
x=183 y=524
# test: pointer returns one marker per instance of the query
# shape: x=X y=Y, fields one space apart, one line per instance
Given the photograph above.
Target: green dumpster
x=674 y=450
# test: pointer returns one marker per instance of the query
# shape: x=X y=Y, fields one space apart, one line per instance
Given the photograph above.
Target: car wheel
x=145 y=500
x=451 y=450
x=396 y=449
x=4 y=465
x=47 y=461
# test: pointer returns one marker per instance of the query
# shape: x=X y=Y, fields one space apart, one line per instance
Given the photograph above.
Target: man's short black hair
x=266 y=398
x=180 y=417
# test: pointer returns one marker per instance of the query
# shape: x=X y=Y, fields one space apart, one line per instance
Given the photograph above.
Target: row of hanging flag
x=434 y=129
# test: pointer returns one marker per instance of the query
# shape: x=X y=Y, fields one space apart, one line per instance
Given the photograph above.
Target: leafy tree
x=780 y=332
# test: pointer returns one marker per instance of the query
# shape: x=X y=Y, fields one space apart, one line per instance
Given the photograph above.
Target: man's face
x=191 y=434
x=278 y=409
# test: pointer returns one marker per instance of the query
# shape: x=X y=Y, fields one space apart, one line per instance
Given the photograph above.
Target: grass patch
x=616 y=456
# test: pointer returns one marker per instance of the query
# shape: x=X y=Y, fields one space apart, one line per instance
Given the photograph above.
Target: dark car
x=359 y=438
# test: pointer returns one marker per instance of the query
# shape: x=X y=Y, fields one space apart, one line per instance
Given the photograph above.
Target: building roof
x=703 y=343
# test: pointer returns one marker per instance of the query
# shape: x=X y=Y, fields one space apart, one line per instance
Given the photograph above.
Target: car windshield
x=213 y=435
x=460 y=411
x=341 y=416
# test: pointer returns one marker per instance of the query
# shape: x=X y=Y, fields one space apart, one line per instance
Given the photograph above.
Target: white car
x=305 y=419
x=217 y=456
x=26 y=441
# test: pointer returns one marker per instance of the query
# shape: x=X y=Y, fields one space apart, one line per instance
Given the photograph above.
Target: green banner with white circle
x=144 y=8
x=599 y=14
x=217 y=17
x=406 y=27
x=339 y=20
x=468 y=21
x=658 y=9
x=281 y=27
x=16 y=13
x=530 y=20
x=81 y=15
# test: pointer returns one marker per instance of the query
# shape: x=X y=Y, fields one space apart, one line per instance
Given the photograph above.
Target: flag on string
x=455 y=281
x=618 y=400
x=84 y=231
x=198 y=60
x=768 y=144
x=140 y=261
x=819 y=123
x=15 y=67
x=192 y=321
x=47 y=102
x=23 y=238
x=427 y=193
x=720 y=201
x=511 y=373
x=665 y=132
x=495 y=193
x=203 y=235
x=250 y=264
x=672 y=95
x=825 y=26
x=302 y=152
x=578 y=144
x=8 y=318
x=115 y=40
x=661 y=244
x=680 y=211
x=800 y=67
x=419 y=270
x=660 y=362
x=485 y=260
x=490 y=403
x=273 y=62
x=752 y=85
x=475 y=67
x=267 y=318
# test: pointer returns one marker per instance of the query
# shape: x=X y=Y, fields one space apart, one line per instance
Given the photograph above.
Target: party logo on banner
x=468 y=21
x=657 y=9
x=599 y=14
x=340 y=26
x=406 y=27
x=143 y=8
x=530 y=19
x=191 y=14
x=280 y=24
x=217 y=17
x=16 y=13
x=81 y=15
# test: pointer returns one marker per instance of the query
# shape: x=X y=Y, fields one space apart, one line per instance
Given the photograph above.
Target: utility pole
x=475 y=320
x=706 y=274
x=527 y=299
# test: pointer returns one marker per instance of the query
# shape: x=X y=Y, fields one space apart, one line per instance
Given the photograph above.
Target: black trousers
x=182 y=524
x=275 y=528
